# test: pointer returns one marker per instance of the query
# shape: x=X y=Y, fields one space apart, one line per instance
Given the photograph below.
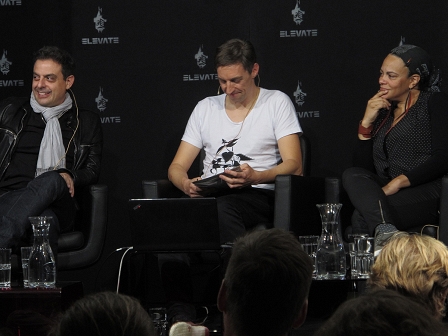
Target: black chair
x=84 y=245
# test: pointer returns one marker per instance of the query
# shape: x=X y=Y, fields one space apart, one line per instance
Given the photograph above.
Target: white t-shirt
x=272 y=117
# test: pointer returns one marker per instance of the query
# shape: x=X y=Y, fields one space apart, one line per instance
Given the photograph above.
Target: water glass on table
x=364 y=256
x=309 y=245
x=5 y=268
x=25 y=253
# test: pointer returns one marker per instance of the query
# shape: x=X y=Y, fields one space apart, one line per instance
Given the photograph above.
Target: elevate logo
x=101 y=102
x=100 y=22
x=4 y=68
x=10 y=2
x=299 y=96
x=298 y=17
x=201 y=62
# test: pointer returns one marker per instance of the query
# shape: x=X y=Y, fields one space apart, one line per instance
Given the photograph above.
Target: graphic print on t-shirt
x=228 y=158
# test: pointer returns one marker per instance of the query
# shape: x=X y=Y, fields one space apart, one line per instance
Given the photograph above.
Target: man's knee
x=51 y=180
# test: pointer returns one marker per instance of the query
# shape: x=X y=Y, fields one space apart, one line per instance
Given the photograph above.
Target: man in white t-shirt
x=247 y=126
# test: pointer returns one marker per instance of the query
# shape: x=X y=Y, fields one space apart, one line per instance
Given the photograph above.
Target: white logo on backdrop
x=101 y=101
x=201 y=62
x=299 y=95
x=101 y=106
x=99 y=21
x=201 y=58
x=4 y=63
x=297 y=14
x=5 y=68
x=10 y=2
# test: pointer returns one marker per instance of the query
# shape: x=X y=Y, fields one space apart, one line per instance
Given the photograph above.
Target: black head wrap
x=419 y=62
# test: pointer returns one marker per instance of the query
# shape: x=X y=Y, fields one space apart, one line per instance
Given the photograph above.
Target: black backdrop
x=137 y=68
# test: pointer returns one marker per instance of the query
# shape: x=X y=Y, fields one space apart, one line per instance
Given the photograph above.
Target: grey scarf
x=52 y=150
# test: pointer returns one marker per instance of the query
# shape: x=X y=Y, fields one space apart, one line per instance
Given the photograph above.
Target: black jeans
x=243 y=209
x=46 y=195
x=408 y=208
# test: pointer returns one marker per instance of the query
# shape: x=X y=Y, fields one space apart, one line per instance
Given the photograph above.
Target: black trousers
x=408 y=208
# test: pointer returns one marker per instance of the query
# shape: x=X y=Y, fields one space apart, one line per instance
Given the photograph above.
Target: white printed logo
x=201 y=62
x=101 y=101
x=10 y=2
x=4 y=63
x=299 y=95
x=297 y=14
x=99 y=21
x=201 y=58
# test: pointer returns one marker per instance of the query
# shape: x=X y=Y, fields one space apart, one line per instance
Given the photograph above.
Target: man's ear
x=222 y=297
x=300 y=319
x=69 y=81
x=255 y=70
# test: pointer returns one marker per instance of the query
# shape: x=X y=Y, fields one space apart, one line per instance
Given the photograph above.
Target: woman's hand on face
x=376 y=103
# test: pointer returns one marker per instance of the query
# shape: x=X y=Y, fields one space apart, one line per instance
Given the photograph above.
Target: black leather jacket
x=88 y=140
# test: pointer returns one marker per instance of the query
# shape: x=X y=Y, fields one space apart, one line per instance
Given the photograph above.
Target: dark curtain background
x=137 y=67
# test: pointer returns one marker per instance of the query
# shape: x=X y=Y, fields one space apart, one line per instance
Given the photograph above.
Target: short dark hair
x=59 y=56
x=267 y=280
x=236 y=51
x=381 y=312
x=105 y=313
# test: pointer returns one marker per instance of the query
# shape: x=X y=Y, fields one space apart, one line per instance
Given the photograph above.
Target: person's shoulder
x=273 y=94
x=87 y=113
x=207 y=103
x=15 y=101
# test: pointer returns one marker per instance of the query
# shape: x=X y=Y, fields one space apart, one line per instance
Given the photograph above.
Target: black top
x=22 y=168
x=417 y=146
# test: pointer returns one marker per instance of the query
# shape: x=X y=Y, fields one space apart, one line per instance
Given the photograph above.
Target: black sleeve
x=437 y=165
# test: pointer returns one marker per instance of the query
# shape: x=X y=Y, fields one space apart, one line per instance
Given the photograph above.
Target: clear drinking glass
x=25 y=253
x=364 y=256
x=309 y=245
x=5 y=268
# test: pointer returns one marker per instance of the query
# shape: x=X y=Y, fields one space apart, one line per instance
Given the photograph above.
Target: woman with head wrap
x=402 y=149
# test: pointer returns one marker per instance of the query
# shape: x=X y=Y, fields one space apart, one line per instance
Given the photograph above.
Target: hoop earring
x=219 y=90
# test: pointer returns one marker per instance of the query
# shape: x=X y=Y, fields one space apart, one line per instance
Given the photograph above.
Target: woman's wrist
x=366 y=132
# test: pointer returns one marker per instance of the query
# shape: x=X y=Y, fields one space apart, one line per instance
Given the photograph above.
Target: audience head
x=382 y=312
x=105 y=313
x=415 y=266
x=266 y=285
x=236 y=51
x=59 y=56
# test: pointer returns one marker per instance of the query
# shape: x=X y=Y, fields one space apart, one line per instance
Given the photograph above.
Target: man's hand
x=190 y=189
x=69 y=181
x=241 y=178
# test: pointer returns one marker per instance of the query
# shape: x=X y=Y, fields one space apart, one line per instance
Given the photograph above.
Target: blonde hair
x=416 y=266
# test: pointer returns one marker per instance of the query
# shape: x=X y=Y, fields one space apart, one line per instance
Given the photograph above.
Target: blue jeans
x=46 y=195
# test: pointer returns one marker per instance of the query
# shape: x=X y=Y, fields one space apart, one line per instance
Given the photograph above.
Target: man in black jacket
x=48 y=149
